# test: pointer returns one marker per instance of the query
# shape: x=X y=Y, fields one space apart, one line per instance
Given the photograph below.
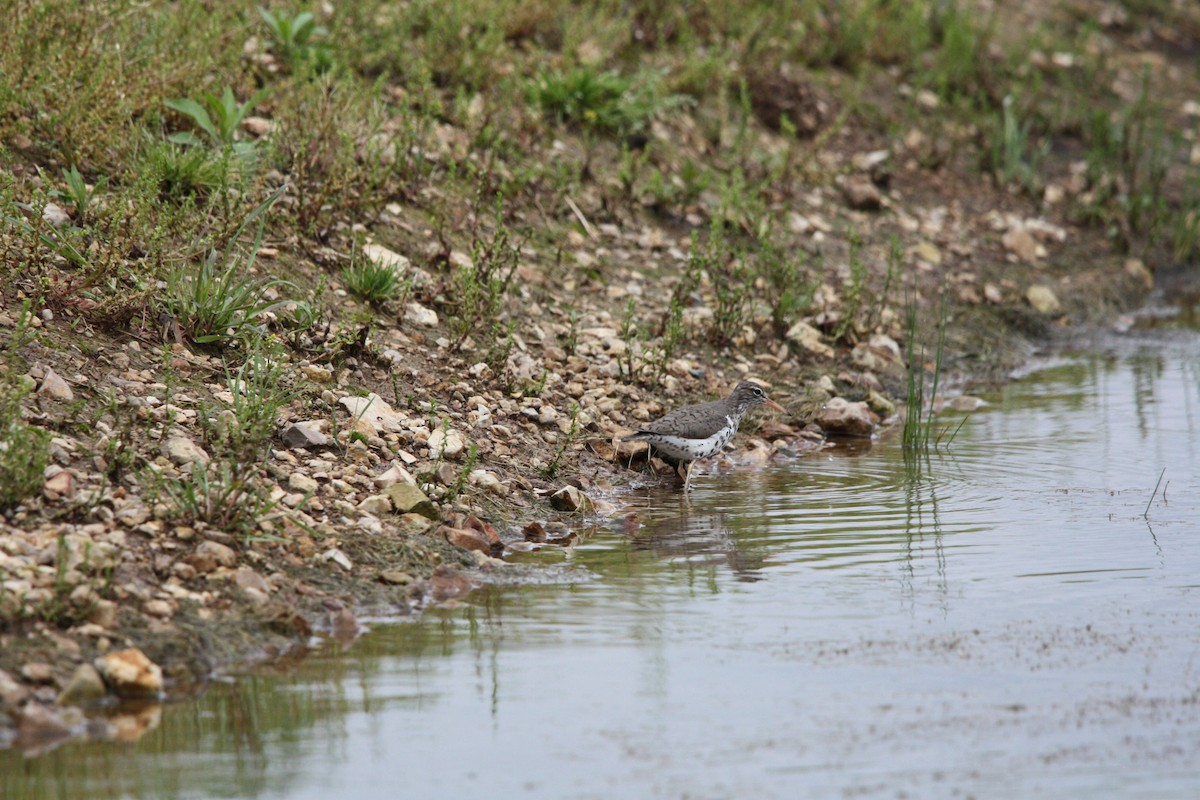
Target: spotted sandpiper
x=699 y=431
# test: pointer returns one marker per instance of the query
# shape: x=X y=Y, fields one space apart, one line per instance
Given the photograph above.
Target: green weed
x=919 y=423
x=330 y=143
x=180 y=174
x=565 y=443
x=478 y=289
x=464 y=474
x=631 y=335
x=673 y=335
x=788 y=285
x=215 y=303
x=959 y=69
x=1011 y=155
x=218 y=118
x=731 y=280
x=24 y=448
x=1128 y=157
x=80 y=195
x=604 y=101
x=374 y=282
x=294 y=39
x=224 y=494
x=854 y=293
x=260 y=389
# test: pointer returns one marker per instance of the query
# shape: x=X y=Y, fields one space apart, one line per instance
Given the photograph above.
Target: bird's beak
x=773 y=405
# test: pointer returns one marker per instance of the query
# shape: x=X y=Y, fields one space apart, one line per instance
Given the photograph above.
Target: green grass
x=920 y=432
x=374 y=282
x=605 y=101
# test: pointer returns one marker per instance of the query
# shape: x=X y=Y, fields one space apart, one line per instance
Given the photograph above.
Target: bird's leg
x=687 y=480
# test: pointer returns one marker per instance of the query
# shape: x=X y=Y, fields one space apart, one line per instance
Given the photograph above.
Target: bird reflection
x=701 y=539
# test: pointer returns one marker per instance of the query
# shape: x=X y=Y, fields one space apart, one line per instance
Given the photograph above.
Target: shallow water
x=1002 y=620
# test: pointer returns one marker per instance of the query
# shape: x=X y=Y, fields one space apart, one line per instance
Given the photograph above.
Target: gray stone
x=1020 y=242
x=809 y=338
x=861 y=194
x=1043 y=299
x=376 y=505
x=385 y=257
x=54 y=387
x=843 y=417
x=129 y=673
x=571 y=500
x=132 y=513
x=37 y=672
x=408 y=499
x=446 y=475
x=394 y=474
x=488 y=482
x=304 y=434
x=221 y=555
x=246 y=578
x=445 y=443
x=374 y=412
x=54 y=215
x=880 y=404
x=421 y=316
x=395 y=577
x=182 y=451
x=304 y=484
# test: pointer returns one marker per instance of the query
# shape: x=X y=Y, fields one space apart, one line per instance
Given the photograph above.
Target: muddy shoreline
x=241 y=604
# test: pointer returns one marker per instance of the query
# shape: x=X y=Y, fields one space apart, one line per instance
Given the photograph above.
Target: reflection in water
x=1005 y=619
x=684 y=532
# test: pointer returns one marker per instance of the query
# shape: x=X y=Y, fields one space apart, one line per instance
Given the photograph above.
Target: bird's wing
x=693 y=422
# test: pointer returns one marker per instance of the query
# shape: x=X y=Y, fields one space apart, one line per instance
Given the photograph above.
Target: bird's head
x=749 y=394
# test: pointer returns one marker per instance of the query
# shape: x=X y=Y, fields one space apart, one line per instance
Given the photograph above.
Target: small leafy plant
x=24 y=448
x=79 y=193
x=218 y=118
x=479 y=288
x=1012 y=157
x=789 y=288
x=294 y=37
x=605 y=101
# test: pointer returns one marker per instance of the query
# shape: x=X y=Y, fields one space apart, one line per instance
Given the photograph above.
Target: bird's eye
x=758 y=391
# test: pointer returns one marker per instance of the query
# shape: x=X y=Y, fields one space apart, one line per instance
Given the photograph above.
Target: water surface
x=1005 y=619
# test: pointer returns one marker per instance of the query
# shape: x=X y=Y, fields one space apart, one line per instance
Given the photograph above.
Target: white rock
x=445 y=443
x=54 y=216
x=809 y=338
x=299 y=482
x=1020 y=242
x=1043 y=299
x=376 y=505
x=394 y=474
x=339 y=558
x=130 y=673
x=54 y=387
x=182 y=450
x=488 y=482
x=375 y=412
x=385 y=257
x=419 y=315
